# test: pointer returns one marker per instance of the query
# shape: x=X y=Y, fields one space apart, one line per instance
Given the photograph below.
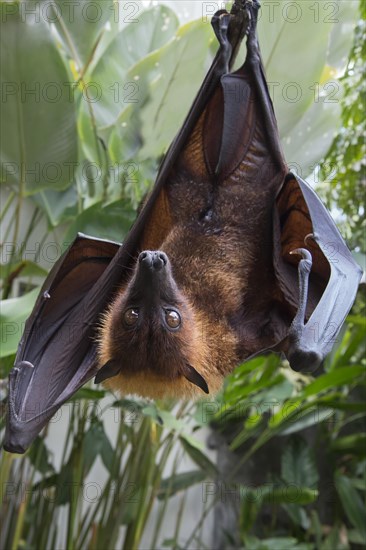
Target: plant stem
x=9 y=200
x=19 y=525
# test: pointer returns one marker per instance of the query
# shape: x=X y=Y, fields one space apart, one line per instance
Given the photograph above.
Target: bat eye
x=131 y=316
x=172 y=318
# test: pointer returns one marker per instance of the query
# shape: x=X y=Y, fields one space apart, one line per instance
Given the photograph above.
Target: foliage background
x=90 y=102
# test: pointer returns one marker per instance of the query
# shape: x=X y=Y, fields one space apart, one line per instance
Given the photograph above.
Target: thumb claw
x=308 y=237
x=305 y=254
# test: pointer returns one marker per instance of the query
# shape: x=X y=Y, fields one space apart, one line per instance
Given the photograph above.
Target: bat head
x=150 y=338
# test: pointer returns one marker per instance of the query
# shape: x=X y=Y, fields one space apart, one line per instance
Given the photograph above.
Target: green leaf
x=80 y=26
x=333 y=540
x=297 y=464
x=180 y=482
x=125 y=140
x=352 y=345
x=38 y=455
x=334 y=378
x=35 y=156
x=280 y=543
x=291 y=494
x=200 y=458
x=352 y=406
x=248 y=513
x=290 y=68
x=357 y=320
x=117 y=90
x=59 y=206
x=359 y=484
x=306 y=419
x=13 y=314
x=156 y=26
x=97 y=443
x=356 y=537
x=316 y=528
x=354 y=444
x=180 y=63
x=152 y=412
x=170 y=543
x=343 y=33
x=134 y=408
x=304 y=88
x=6 y=364
x=248 y=367
x=168 y=420
x=305 y=148
x=285 y=494
x=258 y=384
x=66 y=488
x=107 y=222
x=352 y=503
x=298 y=515
x=24 y=268
x=193 y=442
x=88 y=393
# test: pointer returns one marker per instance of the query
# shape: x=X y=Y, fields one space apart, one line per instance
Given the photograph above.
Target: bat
x=231 y=255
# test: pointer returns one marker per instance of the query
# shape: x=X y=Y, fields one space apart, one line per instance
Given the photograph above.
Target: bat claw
x=23 y=364
x=309 y=236
x=305 y=254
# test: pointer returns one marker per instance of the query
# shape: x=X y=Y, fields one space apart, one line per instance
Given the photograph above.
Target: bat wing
x=56 y=355
x=229 y=137
x=325 y=281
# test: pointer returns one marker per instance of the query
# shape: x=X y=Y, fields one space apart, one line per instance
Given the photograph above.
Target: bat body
x=215 y=257
x=231 y=255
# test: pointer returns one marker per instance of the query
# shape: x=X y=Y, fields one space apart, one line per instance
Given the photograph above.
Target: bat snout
x=153 y=259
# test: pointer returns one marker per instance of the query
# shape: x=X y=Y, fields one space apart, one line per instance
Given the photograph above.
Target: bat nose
x=153 y=259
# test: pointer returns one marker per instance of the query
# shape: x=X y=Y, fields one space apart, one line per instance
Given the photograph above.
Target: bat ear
x=195 y=378
x=110 y=369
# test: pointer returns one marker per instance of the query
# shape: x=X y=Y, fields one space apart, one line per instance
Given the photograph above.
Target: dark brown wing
x=56 y=355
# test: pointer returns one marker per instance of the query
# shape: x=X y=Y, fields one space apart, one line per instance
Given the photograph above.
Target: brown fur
x=210 y=247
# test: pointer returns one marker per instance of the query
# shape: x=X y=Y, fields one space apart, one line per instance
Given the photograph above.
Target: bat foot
x=220 y=24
